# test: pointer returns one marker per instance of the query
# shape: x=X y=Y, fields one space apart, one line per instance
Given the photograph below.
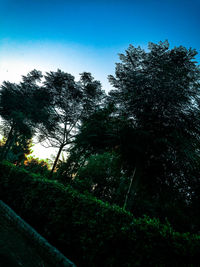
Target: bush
x=89 y=231
x=102 y=176
x=37 y=166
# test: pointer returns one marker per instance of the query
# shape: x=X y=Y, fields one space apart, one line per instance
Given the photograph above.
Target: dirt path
x=15 y=250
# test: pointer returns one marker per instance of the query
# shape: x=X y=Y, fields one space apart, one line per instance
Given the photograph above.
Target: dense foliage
x=137 y=147
x=34 y=165
x=152 y=122
x=89 y=231
x=102 y=177
x=158 y=92
x=18 y=105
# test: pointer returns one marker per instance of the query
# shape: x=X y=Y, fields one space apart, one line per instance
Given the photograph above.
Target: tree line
x=137 y=146
x=49 y=107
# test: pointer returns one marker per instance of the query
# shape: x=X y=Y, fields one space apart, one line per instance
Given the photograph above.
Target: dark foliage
x=138 y=148
x=91 y=232
x=36 y=166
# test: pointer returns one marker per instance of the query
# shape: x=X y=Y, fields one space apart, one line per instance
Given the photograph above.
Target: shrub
x=37 y=166
x=89 y=231
x=102 y=176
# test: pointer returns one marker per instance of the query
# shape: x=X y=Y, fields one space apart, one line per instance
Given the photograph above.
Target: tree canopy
x=152 y=121
x=71 y=103
x=23 y=107
x=158 y=91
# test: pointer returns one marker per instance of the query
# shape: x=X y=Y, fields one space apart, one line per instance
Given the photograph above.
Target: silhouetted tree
x=71 y=102
x=23 y=107
x=157 y=91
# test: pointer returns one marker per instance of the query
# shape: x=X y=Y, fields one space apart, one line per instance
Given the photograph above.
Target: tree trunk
x=129 y=189
x=8 y=144
x=55 y=161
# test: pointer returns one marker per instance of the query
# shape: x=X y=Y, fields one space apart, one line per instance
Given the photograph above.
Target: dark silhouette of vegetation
x=137 y=147
x=152 y=122
x=34 y=165
x=23 y=107
x=91 y=232
x=70 y=103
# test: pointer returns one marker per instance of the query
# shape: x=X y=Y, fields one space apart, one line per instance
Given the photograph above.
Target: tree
x=97 y=134
x=102 y=176
x=20 y=150
x=157 y=91
x=104 y=133
x=23 y=107
x=92 y=95
x=37 y=166
x=71 y=102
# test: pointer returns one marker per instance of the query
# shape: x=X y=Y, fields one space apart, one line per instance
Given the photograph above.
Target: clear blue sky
x=78 y=36
x=101 y=24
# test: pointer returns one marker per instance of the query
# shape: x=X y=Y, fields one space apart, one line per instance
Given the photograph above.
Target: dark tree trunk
x=129 y=189
x=56 y=161
x=8 y=144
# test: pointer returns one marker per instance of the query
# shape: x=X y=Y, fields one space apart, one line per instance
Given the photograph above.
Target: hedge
x=90 y=232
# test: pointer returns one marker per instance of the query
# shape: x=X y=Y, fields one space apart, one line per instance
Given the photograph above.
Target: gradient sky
x=78 y=36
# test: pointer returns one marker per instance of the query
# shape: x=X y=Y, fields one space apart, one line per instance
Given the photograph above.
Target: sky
x=78 y=36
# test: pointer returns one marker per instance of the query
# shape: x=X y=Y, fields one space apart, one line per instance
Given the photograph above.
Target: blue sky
x=78 y=36
x=101 y=24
